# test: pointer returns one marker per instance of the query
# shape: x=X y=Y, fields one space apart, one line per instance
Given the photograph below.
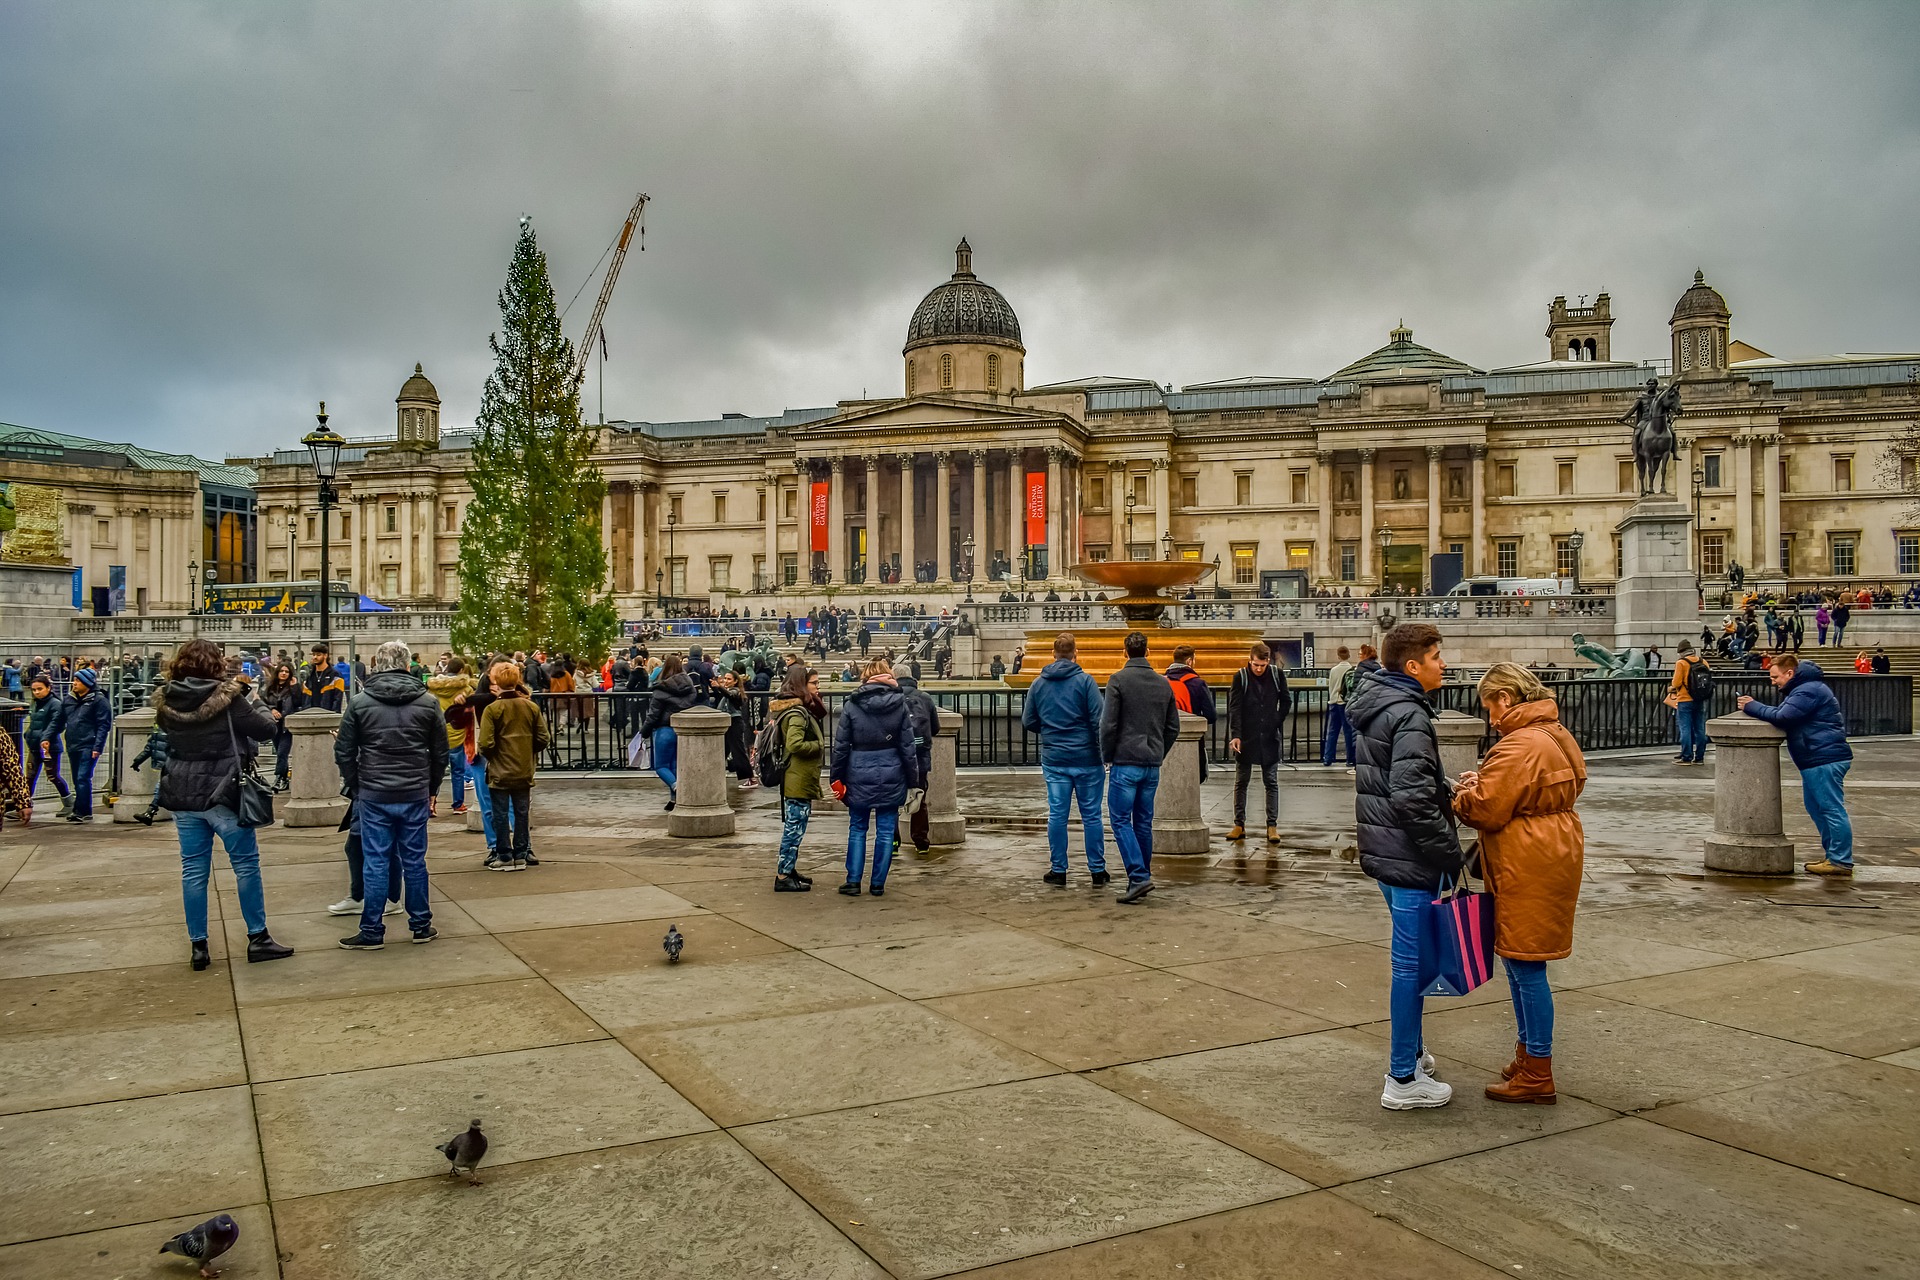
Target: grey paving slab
x=577 y=907
x=1894 y=961
x=824 y=918
x=664 y=996
x=1249 y=1096
x=1599 y=957
x=534 y=1103
x=1861 y=1016
x=934 y=1185
x=627 y=946
x=96 y=948
x=316 y=931
x=1630 y=1199
x=1750 y=930
x=325 y=972
x=1352 y=910
x=69 y=1068
x=557 y=877
x=692 y=1208
x=131 y=1253
x=99 y=999
x=87 y=1168
x=1342 y=985
x=938 y=966
x=1177 y=935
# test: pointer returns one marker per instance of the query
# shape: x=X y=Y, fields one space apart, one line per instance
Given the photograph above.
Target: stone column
x=406 y=544
x=1055 y=530
x=1479 y=469
x=907 y=549
x=945 y=826
x=1433 y=502
x=606 y=530
x=872 y=517
x=1460 y=737
x=942 y=515
x=700 y=807
x=1119 y=540
x=1366 y=573
x=314 y=799
x=1769 y=557
x=642 y=575
x=772 y=550
x=1016 y=508
x=1177 y=825
x=1323 y=545
x=136 y=785
x=837 y=520
x=1747 y=834
x=1743 y=501
x=982 y=547
x=1162 y=506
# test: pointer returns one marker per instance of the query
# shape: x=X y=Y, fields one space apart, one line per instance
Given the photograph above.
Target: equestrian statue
x=1654 y=442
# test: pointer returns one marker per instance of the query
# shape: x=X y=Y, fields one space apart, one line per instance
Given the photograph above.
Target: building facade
x=1350 y=481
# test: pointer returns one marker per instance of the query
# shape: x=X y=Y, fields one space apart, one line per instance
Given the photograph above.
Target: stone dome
x=1402 y=357
x=1701 y=302
x=964 y=309
x=417 y=388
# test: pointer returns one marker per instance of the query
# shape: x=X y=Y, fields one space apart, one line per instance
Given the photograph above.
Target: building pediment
x=932 y=419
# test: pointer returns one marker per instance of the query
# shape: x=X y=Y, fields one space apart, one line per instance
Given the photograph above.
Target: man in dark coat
x=1816 y=730
x=1138 y=727
x=1193 y=696
x=1257 y=707
x=89 y=719
x=926 y=723
x=392 y=753
x=320 y=685
x=1403 y=807
x=1063 y=707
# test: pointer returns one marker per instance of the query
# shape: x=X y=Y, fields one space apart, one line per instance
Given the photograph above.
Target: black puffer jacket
x=873 y=751
x=1403 y=803
x=926 y=722
x=202 y=765
x=392 y=747
x=672 y=695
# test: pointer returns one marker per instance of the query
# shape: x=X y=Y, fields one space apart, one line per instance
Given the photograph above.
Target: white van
x=1513 y=587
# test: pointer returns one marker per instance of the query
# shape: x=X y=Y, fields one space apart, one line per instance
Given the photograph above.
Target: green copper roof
x=1402 y=357
x=54 y=446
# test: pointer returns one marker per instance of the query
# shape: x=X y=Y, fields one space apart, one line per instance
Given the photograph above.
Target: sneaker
x=499 y=862
x=1842 y=870
x=851 y=889
x=521 y=864
x=74 y=817
x=1058 y=879
x=790 y=884
x=427 y=934
x=1135 y=892
x=393 y=909
x=459 y=808
x=1101 y=879
x=1421 y=1091
x=346 y=907
x=362 y=941
x=144 y=818
x=527 y=859
x=805 y=880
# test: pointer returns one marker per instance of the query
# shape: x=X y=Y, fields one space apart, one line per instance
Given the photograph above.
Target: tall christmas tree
x=531 y=565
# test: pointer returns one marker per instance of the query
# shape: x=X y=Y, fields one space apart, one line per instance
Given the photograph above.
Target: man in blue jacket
x=1816 y=732
x=1063 y=707
x=89 y=718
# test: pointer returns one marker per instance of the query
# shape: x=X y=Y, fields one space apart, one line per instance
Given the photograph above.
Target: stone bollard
x=1460 y=737
x=1177 y=825
x=314 y=799
x=136 y=785
x=944 y=824
x=700 y=802
x=1747 y=834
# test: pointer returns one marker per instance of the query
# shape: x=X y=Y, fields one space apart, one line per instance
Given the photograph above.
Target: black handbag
x=254 y=801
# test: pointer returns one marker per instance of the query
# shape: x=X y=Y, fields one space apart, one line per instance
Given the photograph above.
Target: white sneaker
x=345 y=907
x=393 y=909
x=1421 y=1091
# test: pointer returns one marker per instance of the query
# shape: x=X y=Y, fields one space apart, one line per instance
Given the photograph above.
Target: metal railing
x=1308 y=610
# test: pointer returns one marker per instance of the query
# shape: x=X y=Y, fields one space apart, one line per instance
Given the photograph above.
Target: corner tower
x=1580 y=332
x=418 y=413
x=964 y=338
x=1699 y=328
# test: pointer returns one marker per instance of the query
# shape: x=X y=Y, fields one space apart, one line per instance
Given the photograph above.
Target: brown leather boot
x=1533 y=1082
x=1238 y=832
x=1512 y=1069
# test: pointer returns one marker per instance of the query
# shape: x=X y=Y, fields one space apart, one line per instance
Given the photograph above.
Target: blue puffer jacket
x=88 y=721
x=1810 y=716
x=873 y=747
x=1063 y=707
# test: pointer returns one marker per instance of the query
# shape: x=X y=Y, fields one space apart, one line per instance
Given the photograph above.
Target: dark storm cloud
x=214 y=215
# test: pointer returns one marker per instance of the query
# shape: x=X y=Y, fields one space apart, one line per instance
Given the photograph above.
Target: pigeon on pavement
x=672 y=944
x=464 y=1151
x=204 y=1243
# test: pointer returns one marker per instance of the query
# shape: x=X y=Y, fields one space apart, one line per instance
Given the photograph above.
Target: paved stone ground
x=974 y=1075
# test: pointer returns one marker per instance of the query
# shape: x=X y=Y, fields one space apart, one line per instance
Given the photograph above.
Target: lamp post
x=293 y=533
x=1385 y=537
x=193 y=586
x=672 y=520
x=323 y=442
x=659 y=589
x=1132 y=502
x=1166 y=545
x=966 y=549
x=1575 y=541
x=1699 y=575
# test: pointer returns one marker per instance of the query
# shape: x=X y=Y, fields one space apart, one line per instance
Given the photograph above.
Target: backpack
x=1349 y=682
x=1699 y=680
x=770 y=750
x=1182 y=696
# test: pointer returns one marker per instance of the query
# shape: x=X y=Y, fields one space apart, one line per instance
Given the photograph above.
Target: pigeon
x=205 y=1242
x=672 y=944
x=465 y=1151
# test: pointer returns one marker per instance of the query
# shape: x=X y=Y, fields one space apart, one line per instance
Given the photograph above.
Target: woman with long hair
x=874 y=765
x=799 y=715
x=673 y=692
x=280 y=695
x=1521 y=801
x=211 y=720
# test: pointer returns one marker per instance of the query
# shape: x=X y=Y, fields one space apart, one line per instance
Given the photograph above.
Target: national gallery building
x=1352 y=480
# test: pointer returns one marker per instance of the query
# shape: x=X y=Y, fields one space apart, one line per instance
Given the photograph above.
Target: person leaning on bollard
x=1816 y=730
x=1139 y=725
x=1063 y=707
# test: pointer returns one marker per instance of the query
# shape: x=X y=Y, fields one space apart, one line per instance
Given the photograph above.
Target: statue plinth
x=1656 y=601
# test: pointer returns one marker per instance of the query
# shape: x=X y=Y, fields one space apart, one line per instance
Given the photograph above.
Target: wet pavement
x=976 y=1074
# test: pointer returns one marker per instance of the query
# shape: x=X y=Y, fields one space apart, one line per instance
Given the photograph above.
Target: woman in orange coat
x=1531 y=845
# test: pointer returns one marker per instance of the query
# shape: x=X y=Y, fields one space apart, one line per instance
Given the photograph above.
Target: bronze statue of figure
x=1654 y=442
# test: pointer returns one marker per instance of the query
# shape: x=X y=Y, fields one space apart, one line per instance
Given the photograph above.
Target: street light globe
x=1385 y=536
x=1576 y=540
x=324 y=443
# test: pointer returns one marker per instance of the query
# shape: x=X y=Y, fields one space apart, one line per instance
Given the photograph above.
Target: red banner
x=817 y=513
x=1036 y=508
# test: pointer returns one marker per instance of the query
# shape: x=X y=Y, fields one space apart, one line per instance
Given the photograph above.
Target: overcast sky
x=213 y=215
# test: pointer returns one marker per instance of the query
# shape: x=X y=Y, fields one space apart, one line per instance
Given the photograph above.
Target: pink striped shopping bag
x=1456 y=941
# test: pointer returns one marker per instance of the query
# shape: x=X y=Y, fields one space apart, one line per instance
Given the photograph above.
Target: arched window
x=909 y=376
x=993 y=373
x=1593 y=350
x=1573 y=351
x=946 y=370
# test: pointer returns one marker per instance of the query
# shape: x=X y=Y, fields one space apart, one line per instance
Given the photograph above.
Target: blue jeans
x=1404 y=1003
x=197 y=831
x=477 y=774
x=1691 y=717
x=666 y=756
x=885 y=822
x=384 y=830
x=80 y=764
x=1822 y=787
x=1338 y=727
x=1130 y=792
x=1065 y=784
x=457 y=770
x=1532 y=1004
x=793 y=827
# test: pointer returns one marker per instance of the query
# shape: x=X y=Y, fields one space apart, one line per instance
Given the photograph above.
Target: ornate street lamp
x=1575 y=541
x=1384 y=537
x=659 y=589
x=1166 y=545
x=1699 y=575
x=324 y=443
x=966 y=549
x=193 y=586
x=1132 y=502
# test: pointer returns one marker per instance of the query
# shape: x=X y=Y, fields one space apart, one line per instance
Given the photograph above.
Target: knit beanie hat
x=87 y=677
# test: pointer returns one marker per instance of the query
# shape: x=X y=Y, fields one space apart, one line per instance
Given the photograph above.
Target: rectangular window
x=103 y=532
x=1786 y=555
x=1566 y=560
x=790 y=568
x=1786 y=474
x=451 y=520
x=1506 y=556
x=1710 y=468
x=1841 y=548
x=1190 y=553
x=449 y=583
x=788 y=499
x=1097 y=492
x=1563 y=476
x=1503 y=481
x=1300 y=556
x=677 y=576
x=346 y=527
x=1713 y=554
x=1097 y=551
x=1189 y=491
x=1906 y=549
x=1244 y=572
x=390 y=581
x=393 y=521
x=1625 y=477
x=1457 y=548
x=760 y=505
x=1140 y=491
x=310 y=527
x=1619 y=556
x=1299 y=487
x=1349 y=561
x=1843 y=475
x=675 y=512
x=1242 y=490
x=719 y=508
x=760 y=582
x=720 y=572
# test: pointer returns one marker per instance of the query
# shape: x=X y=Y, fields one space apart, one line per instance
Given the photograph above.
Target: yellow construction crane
x=584 y=351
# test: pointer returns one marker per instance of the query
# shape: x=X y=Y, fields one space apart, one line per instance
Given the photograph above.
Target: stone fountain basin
x=1143 y=577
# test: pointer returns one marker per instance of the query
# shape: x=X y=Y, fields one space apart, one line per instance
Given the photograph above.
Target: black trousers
x=1242 y=774
x=510 y=815
x=738 y=756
